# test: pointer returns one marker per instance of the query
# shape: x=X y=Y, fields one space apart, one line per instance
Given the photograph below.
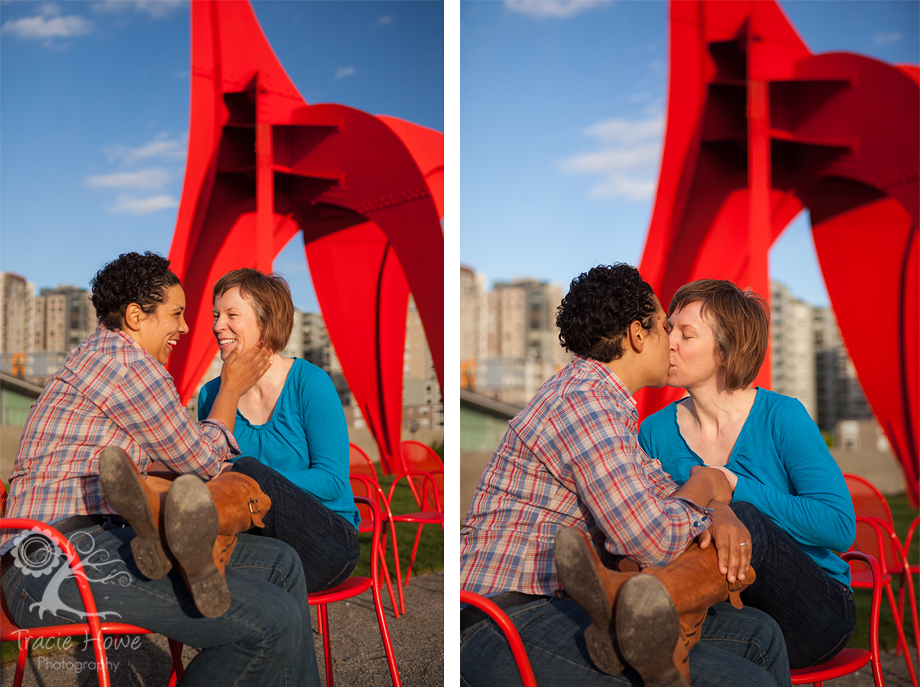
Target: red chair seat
x=846 y=662
x=428 y=517
x=349 y=588
x=862 y=579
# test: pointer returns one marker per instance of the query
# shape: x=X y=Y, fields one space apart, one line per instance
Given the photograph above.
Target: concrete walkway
x=358 y=657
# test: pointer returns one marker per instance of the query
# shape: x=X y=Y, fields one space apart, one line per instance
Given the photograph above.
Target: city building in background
x=793 y=348
x=38 y=331
x=509 y=342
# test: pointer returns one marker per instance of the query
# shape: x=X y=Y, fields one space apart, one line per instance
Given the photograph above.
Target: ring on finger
x=744 y=543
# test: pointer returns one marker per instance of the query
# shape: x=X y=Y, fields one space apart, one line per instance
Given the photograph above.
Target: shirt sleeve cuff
x=700 y=516
x=214 y=429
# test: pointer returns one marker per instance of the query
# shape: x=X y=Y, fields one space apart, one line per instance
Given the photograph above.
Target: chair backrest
x=359 y=463
x=868 y=502
x=417 y=456
x=510 y=631
x=367 y=488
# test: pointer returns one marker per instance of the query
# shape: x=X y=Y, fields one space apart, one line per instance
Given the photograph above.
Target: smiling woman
x=290 y=427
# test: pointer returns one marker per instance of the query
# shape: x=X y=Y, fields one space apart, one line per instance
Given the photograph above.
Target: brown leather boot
x=593 y=587
x=649 y=619
x=241 y=503
x=140 y=502
x=694 y=583
x=201 y=521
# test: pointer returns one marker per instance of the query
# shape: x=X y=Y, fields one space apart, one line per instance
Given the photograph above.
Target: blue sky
x=562 y=116
x=94 y=106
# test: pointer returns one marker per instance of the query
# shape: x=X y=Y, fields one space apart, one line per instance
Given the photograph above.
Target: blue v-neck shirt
x=783 y=468
x=306 y=438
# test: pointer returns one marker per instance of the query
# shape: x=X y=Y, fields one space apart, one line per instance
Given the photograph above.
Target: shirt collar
x=610 y=378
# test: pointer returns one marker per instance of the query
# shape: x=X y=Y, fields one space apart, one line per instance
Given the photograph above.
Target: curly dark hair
x=599 y=307
x=131 y=278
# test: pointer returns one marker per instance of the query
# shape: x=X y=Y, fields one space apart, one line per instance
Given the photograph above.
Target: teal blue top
x=783 y=468
x=306 y=438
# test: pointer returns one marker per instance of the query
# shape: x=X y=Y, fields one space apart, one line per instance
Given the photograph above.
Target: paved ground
x=358 y=657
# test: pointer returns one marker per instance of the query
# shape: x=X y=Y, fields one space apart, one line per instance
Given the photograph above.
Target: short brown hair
x=271 y=299
x=740 y=321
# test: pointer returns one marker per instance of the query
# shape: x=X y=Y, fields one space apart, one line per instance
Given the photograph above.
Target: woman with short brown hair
x=291 y=430
x=786 y=487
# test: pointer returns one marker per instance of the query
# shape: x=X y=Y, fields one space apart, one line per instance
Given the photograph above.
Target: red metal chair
x=431 y=512
x=509 y=630
x=94 y=627
x=360 y=464
x=354 y=586
x=362 y=485
x=875 y=535
x=851 y=660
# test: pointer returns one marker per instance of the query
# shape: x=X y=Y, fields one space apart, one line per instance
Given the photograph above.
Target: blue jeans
x=815 y=612
x=738 y=647
x=326 y=542
x=264 y=639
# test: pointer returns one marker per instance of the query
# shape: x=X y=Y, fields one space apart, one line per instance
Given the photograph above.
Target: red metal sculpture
x=366 y=192
x=758 y=128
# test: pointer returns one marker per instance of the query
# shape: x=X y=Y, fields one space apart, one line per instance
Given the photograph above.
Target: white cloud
x=627 y=157
x=385 y=19
x=163 y=146
x=623 y=131
x=553 y=8
x=342 y=72
x=617 y=186
x=143 y=206
x=154 y=8
x=154 y=177
x=886 y=38
x=48 y=25
x=640 y=159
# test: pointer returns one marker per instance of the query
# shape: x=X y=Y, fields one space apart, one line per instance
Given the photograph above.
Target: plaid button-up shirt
x=110 y=392
x=571 y=458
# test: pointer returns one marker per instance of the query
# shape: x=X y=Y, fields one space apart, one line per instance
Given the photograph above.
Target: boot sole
x=124 y=492
x=191 y=524
x=648 y=629
x=581 y=581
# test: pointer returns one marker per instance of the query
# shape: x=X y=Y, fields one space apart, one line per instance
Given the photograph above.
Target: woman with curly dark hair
x=105 y=416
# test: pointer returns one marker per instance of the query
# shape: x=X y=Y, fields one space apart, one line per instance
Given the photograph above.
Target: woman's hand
x=732 y=541
x=241 y=371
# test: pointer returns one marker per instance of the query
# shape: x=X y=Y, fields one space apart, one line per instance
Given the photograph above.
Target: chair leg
x=322 y=614
x=102 y=660
x=21 y=661
x=381 y=556
x=399 y=586
x=418 y=536
x=877 y=671
x=902 y=640
x=907 y=579
x=175 y=650
x=385 y=636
